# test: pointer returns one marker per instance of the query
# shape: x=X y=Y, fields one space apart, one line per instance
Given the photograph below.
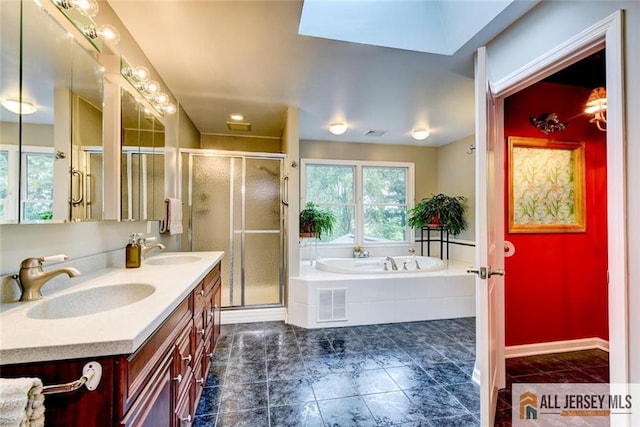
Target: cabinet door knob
x=210 y=316
x=215 y=306
x=201 y=292
x=201 y=332
x=201 y=382
x=186 y=420
x=187 y=358
x=178 y=379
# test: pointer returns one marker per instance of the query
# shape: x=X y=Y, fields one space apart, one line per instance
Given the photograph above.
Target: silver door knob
x=498 y=272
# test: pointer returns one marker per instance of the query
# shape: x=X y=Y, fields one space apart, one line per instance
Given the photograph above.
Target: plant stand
x=443 y=238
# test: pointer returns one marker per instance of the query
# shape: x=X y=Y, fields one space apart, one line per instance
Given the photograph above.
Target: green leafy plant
x=315 y=221
x=447 y=211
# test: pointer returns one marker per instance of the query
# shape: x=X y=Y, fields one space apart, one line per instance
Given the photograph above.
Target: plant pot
x=307 y=235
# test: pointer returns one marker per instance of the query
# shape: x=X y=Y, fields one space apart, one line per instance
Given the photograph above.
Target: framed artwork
x=546 y=186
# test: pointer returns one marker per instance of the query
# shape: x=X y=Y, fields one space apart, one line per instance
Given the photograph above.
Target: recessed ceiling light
x=17 y=106
x=420 y=134
x=236 y=117
x=337 y=128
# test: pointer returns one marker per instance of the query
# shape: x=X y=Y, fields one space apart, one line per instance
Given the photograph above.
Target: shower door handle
x=285 y=190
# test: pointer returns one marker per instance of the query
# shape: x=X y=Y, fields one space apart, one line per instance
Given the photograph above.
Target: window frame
x=358 y=166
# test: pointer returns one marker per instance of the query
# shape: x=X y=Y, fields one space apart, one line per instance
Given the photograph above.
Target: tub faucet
x=145 y=249
x=394 y=266
x=32 y=277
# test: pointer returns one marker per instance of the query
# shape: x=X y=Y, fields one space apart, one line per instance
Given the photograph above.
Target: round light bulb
x=162 y=98
x=420 y=134
x=141 y=73
x=109 y=33
x=152 y=86
x=170 y=109
x=337 y=128
x=89 y=7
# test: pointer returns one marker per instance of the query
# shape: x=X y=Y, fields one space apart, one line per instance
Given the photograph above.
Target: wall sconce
x=548 y=123
x=420 y=134
x=18 y=106
x=597 y=105
x=337 y=128
x=139 y=77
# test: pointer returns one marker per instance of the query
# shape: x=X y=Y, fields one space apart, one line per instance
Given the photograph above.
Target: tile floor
x=586 y=366
x=271 y=374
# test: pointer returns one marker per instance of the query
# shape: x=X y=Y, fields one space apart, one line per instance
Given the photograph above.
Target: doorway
x=234 y=203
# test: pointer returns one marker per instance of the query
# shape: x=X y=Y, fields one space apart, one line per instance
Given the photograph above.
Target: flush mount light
x=420 y=134
x=337 y=128
x=236 y=117
x=19 y=107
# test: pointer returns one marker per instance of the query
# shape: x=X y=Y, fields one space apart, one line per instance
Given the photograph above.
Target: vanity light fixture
x=597 y=105
x=88 y=7
x=149 y=89
x=18 y=106
x=236 y=117
x=420 y=134
x=337 y=128
x=109 y=33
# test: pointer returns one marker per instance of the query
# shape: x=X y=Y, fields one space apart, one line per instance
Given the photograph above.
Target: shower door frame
x=243 y=155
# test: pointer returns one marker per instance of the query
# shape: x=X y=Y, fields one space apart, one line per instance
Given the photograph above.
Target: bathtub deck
x=380 y=298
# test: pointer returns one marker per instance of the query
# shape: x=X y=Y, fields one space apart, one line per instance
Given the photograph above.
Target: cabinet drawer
x=211 y=278
x=138 y=367
x=184 y=358
x=182 y=413
x=199 y=297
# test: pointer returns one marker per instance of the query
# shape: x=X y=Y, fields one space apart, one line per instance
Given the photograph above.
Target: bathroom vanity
x=155 y=353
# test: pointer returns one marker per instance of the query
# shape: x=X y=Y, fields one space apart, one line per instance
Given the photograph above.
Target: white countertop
x=118 y=331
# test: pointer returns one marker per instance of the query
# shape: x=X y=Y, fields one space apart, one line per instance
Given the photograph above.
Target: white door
x=489 y=252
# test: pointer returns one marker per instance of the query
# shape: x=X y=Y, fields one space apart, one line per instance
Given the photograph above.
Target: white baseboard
x=555 y=347
x=253 y=315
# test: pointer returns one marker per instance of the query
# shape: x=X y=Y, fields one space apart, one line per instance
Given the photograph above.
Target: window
x=37 y=197
x=368 y=199
x=8 y=183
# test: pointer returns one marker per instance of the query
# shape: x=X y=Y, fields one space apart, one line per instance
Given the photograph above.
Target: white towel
x=21 y=402
x=173 y=216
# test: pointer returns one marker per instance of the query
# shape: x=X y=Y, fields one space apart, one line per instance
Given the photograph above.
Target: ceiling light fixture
x=420 y=134
x=236 y=117
x=17 y=106
x=597 y=105
x=337 y=128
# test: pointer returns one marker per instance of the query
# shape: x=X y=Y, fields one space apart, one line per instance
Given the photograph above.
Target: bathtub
x=325 y=299
x=406 y=264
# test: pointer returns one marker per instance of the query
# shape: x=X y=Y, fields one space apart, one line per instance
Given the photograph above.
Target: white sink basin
x=90 y=301
x=171 y=259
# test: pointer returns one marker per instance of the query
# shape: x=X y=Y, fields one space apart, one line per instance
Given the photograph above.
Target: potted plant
x=441 y=210
x=315 y=221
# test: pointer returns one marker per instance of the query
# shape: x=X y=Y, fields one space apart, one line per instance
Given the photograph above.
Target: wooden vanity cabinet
x=157 y=386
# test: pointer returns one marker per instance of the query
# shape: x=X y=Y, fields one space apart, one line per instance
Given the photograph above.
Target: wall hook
x=471 y=149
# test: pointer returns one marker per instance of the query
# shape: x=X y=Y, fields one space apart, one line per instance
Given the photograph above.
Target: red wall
x=556 y=283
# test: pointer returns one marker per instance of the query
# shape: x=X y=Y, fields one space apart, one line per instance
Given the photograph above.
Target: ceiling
x=220 y=57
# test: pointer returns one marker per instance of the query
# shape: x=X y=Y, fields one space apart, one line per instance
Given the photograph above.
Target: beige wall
x=240 y=143
x=188 y=135
x=456 y=177
x=424 y=158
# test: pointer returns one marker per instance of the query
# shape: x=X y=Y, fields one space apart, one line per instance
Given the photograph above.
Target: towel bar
x=91 y=375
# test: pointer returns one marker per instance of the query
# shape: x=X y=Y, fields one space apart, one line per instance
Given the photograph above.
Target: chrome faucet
x=394 y=266
x=145 y=249
x=32 y=277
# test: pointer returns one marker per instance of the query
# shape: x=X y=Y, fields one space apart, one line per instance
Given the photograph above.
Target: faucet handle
x=37 y=262
x=54 y=258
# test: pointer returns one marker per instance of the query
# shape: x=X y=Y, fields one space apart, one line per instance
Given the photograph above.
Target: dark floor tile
x=246 y=356
x=357 y=362
x=243 y=397
x=324 y=364
x=281 y=369
x=392 y=358
x=332 y=386
x=346 y=412
x=426 y=355
x=285 y=350
x=373 y=381
x=446 y=373
x=249 y=327
x=504 y=417
x=436 y=402
x=204 y=420
x=599 y=373
x=302 y=415
x=216 y=375
x=209 y=401
x=517 y=366
x=249 y=418
x=249 y=372
x=349 y=346
x=412 y=376
x=392 y=408
x=467 y=393
x=279 y=338
x=315 y=348
x=288 y=392
x=454 y=351
x=456 y=421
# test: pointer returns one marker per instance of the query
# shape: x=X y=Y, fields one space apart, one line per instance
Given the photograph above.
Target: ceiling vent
x=375 y=132
x=239 y=126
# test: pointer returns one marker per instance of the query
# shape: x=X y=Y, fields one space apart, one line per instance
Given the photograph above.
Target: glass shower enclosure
x=235 y=206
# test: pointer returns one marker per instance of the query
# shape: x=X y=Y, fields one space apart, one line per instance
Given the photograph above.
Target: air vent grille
x=239 y=126
x=332 y=305
x=375 y=132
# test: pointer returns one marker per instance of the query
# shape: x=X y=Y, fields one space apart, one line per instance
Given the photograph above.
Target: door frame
x=606 y=33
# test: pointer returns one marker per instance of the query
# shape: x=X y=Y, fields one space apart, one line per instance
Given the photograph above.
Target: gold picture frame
x=546 y=186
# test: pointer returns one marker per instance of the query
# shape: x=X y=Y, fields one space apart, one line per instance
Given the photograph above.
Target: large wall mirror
x=46 y=170
x=142 y=161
